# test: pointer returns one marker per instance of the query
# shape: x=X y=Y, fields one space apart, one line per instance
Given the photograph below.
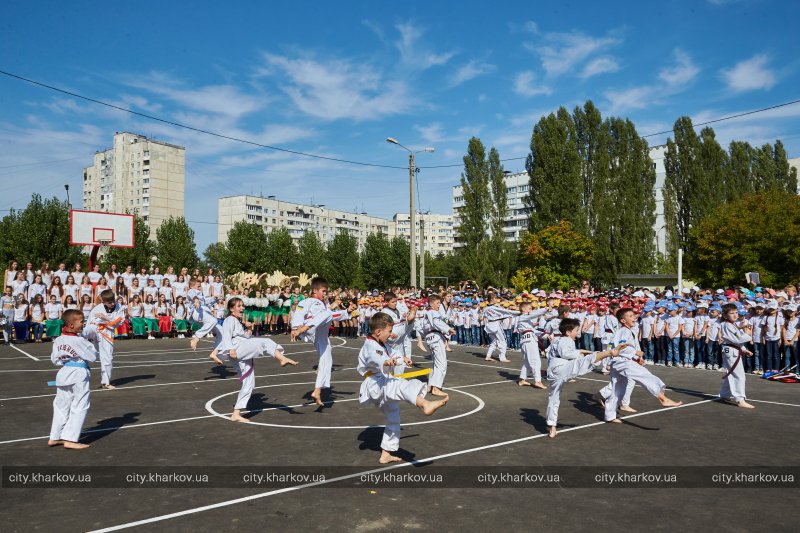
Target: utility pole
x=422 y=252
x=413 y=220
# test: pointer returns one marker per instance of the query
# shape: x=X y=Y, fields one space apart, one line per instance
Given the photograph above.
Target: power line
x=191 y=128
x=42 y=162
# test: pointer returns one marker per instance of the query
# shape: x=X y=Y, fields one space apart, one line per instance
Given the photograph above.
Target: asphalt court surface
x=168 y=408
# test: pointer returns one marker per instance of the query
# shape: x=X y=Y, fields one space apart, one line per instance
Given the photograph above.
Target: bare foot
x=216 y=359
x=627 y=409
x=283 y=360
x=436 y=391
x=615 y=421
x=193 y=343
x=107 y=386
x=551 y=432
x=317 y=397
x=505 y=360
x=599 y=399
x=75 y=445
x=523 y=383
x=448 y=349
x=746 y=405
x=539 y=385
x=237 y=417
x=572 y=381
x=52 y=443
x=431 y=406
x=666 y=402
x=488 y=358
x=387 y=458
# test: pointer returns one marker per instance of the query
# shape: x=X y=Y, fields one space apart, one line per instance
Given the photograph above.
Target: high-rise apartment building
x=137 y=175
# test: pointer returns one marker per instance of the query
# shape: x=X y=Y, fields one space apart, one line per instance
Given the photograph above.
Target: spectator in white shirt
x=78 y=274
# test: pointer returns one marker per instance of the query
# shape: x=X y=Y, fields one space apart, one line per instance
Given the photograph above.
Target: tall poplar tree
x=554 y=170
x=475 y=215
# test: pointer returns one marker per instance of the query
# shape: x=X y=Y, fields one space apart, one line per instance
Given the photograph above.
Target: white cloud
x=340 y=89
x=601 y=65
x=681 y=73
x=410 y=52
x=750 y=75
x=524 y=85
x=225 y=100
x=633 y=98
x=431 y=133
x=482 y=97
x=471 y=70
x=531 y=26
x=566 y=51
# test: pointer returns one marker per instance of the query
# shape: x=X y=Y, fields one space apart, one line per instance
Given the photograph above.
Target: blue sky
x=337 y=78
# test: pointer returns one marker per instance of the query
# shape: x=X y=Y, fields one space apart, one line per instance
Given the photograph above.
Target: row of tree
x=701 y=176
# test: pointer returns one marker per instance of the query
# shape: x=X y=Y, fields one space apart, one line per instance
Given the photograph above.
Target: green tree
x=707 y=194
x=764 y=169
x=554 y=169
x=502 y=255
x=376 y=261
x=475 y=215
x=399 y=252
x=556 y=257
x=245 y=249
x=738 y=172
x=281 y=252
x=785 y=174
x=757 y=233
x=40 y=232
x=312 y=257
x=175 y=245
x=343 y=260
x=684 y=172
x=141 y=255
x=592 y=144
x=213 y=256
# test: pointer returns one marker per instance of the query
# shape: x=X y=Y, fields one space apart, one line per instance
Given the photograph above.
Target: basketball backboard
x=93 y=228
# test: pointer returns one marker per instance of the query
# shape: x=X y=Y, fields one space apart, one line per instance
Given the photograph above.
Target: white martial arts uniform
x=494 y=315
x=73 y=354
x=234 y=337
x=531 y=359
x=733 y=340
x=400 y=329
x=204 y=314
x=435 y=330
x=625 y=369
x=101 y=325
x=384 y=391
x=564 y=362
x=403 y=308
x=317 y=314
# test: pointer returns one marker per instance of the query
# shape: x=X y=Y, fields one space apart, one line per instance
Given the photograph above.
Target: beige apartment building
x=437 y=229
x=137 y=175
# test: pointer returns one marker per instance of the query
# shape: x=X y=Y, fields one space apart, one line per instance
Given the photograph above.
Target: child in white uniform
x=436 y=332
x=531 y=360
x=102 y=322
x=238 y=346
x=385 y=391
x=734 y=341
x=202 y=313
x=494 y=315
x=627 y=366
x=73 y=354
x=402 y=326
x=311 y=323
x=566 y=362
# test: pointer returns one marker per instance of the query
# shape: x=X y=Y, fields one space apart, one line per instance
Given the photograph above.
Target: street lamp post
x=411 y=213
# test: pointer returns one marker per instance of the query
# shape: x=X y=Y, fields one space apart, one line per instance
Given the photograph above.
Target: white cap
x=638 y=294
x=772 y=304
x=720 y=291
x=686 y=290
x=668 y=294
x=781 y=294
x=696 y=288
x=702 y=305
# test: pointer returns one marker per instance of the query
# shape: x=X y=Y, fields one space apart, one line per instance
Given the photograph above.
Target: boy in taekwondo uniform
x=385 y=391
x=531 y=361
x=310 y=323
x=103 y=320
x=73 y=354
x=627 y=366
x=734 y=341
x=494 y=315
x=436 y=331
x=401 y=327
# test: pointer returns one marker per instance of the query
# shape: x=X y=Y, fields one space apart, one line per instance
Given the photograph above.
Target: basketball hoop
x=101 y=243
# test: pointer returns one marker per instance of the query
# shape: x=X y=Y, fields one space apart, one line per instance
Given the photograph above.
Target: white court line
x=24 y=353
x=220 y=380
x=367 y=472
x=774 y=403
x=144 y=424
x=202 y=360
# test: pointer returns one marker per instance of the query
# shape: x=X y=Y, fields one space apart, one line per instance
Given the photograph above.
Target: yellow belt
x=407 y=375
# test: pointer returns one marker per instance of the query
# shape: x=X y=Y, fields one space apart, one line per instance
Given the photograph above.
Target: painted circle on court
x=210 y=409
